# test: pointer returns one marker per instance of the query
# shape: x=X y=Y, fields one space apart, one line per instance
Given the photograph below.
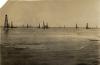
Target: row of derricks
x=44 y=26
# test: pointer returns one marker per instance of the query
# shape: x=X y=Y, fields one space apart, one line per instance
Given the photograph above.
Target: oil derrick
x=76 y=26
x=6 y=24
x=12 y=25
x=43 y=25
x=87 y=26
x=39 y=26
x=27 y=26
x=46 y=26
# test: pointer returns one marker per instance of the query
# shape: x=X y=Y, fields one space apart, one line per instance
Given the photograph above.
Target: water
x=53 y=46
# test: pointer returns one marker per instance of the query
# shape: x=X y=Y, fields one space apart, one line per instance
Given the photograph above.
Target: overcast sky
x=55 y=12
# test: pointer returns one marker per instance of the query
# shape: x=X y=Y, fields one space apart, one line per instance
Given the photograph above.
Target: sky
x=54 y=12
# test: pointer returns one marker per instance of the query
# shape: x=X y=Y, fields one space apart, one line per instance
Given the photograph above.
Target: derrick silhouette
x=87 y=26
x=6 y=24
x=39 y=26
x=45 y=26
x=76 y=26
x=11 y=25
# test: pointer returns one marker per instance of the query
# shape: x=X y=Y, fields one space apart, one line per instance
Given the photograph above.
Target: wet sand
x=49 y=50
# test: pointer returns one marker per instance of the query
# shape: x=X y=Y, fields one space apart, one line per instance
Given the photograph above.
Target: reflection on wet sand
x=41 y=48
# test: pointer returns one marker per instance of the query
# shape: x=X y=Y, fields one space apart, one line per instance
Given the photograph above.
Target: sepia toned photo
x=50 y=32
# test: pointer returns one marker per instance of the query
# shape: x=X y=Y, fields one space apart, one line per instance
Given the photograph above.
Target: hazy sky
x=55 y=12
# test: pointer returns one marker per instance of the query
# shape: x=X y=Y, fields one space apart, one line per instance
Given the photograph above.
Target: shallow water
x=53 y=46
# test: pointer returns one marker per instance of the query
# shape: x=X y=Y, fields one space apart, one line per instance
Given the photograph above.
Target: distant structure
x=39 y=26
x=87 y=26
x=45 y=26
x=6 y=24
x=12 y=25
x=27 y=26
x=76 y=26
